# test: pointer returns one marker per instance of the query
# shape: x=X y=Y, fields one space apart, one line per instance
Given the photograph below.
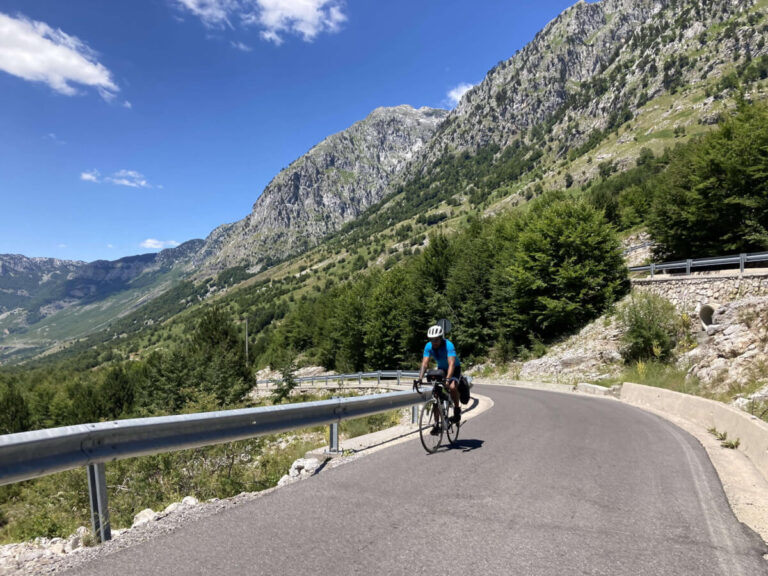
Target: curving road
x=543 y=484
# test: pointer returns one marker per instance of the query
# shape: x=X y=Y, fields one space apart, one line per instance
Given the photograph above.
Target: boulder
x=146 y=515
x=190 y=501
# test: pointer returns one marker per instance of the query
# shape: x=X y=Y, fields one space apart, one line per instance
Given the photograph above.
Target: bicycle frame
x=437 y=408
x=442 y=397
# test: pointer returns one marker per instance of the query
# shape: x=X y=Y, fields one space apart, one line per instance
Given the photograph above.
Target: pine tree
x=713 y=197
x=14 y=412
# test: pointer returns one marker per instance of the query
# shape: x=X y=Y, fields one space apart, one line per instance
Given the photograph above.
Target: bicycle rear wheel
x=431 y=436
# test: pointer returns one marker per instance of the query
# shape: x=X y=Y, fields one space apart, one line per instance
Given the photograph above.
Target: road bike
x=434 y=420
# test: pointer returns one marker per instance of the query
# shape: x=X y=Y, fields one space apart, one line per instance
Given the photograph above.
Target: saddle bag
x=435 y=375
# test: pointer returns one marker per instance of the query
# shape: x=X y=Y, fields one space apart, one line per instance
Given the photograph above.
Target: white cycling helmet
x=435 y=331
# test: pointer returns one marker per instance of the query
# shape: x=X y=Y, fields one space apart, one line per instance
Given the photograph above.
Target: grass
x=659 y=375
x=722 y=437
x=367 y=424
x=54 y=506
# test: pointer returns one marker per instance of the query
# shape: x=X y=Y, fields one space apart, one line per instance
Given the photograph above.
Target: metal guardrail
x=29 y=455
x=687 y=265
x=359 y=376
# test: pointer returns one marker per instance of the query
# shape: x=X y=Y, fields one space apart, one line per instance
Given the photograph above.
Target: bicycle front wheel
x=430 y=430
x=452 y=431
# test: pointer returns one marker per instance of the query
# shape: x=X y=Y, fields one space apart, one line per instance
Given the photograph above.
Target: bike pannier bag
x=463 y=390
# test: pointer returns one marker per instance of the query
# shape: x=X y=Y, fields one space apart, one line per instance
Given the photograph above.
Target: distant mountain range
x=597 y=84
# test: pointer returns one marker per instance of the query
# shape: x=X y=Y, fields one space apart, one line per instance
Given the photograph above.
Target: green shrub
x=651 y=327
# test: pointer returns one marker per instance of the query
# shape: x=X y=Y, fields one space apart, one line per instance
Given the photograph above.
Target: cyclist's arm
x=451 y=368
x=424 y=365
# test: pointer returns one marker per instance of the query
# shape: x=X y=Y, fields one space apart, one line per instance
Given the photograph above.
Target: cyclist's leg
x=453 y=388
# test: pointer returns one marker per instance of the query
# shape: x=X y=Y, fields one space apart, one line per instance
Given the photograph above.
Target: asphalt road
x=542 y=484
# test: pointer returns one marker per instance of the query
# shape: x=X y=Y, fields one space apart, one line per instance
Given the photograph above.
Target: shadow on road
x=473 y=402
x=467 y=445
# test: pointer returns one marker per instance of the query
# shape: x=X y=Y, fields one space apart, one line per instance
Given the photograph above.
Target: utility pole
x=246 y=341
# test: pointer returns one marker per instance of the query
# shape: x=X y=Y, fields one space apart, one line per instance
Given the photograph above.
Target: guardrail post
x=333 y=434
x=97 y=489
x=334 y=438
x=415 y=414
x=360 y=379
x=653 y=269
x=398 y=377
x=688 y=266
x=742 y=261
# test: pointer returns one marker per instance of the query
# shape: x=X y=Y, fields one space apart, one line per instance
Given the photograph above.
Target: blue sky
x=128 y=126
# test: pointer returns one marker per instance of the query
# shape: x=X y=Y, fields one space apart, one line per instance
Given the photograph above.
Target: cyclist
x=444 y=352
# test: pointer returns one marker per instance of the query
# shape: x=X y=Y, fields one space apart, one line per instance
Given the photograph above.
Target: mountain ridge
x=600 y=81
x=333 y=183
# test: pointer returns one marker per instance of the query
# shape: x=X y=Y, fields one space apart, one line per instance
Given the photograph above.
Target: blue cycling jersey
x=442 y=353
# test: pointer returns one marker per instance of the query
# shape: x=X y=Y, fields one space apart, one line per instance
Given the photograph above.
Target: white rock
x=286 y=480
x=146 y=515
x=172 y=507
x=190 y=501
x=304 y=467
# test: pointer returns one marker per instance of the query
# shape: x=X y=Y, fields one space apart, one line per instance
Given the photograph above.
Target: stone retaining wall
x=688 y=293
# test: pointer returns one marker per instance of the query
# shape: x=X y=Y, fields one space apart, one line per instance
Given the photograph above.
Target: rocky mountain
x=331 y=184
x=598 y=66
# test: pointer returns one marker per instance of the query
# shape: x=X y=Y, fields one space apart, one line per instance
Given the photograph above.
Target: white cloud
x=242 y=47
x=152 y=244
x=130 y=178
x=36 y=52
x=455 y=94
x=307 y=18
x=274 y=18
x=214 y=13
x=92 y=176
x=52 y=137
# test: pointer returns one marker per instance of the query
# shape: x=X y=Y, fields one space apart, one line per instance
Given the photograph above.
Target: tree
x=469 y=290
x=218 y=357
x=14 y=412
x=435 y=262
x=117 y=393
x=566 y=269
x=346 y=331
x=391 y=334
x=713 y=197
x=287 y=382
